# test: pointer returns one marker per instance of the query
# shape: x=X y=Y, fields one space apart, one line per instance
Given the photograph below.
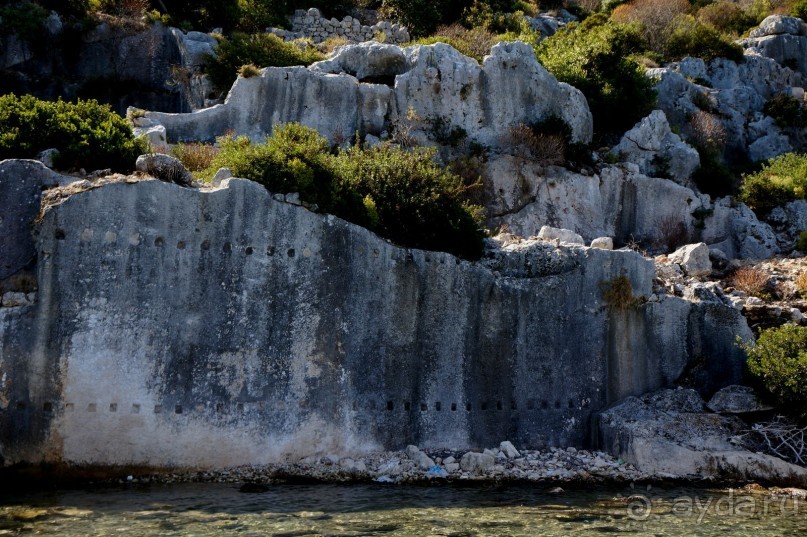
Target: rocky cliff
x=177 y=326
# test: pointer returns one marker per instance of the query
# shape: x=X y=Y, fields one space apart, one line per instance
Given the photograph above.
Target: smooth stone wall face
x=179 y=327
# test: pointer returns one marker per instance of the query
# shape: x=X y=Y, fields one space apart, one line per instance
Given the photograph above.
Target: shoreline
x=554 y=469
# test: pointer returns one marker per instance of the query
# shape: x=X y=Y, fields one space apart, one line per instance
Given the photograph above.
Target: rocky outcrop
x=657 y=150
x=724 y=100
x=21 y=186
x=783 y=39
x=177 y=326
x=312 y=25
x=670 y=433
x=622 y=203
x=693 y=259
x=436 y=90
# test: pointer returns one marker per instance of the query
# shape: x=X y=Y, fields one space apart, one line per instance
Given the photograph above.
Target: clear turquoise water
x=362 y=510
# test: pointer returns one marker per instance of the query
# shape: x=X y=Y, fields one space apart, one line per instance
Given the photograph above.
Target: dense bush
x=87 y=134
x=692 y=38
x=726 y=17
x=261 y=50
x=25 y=20
x=654 y=19
x=799 y=10
x=402 y=195
x=778 y=362
x=595 y=58
x=787 y=111
x=781 y=180
x=475 y=43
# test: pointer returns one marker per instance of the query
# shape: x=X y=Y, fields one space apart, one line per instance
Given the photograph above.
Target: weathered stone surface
x=510 y=87
x=194 y=47
x=477 y=463
x=779 y=24
x=366 y=60
x=657 y=150
x=694 y=259
x=48 y=157
x=335 y=105
x=615 y=202
x=165 y=168
x=563 y=235
x=732 y=98
x=433 y=85
x=734 y=229
x=736 y=400
x=788 y=221
x=224 y=327
x=509 y=450
x=155 y=135
x=604 y=243
x=668 y=439
x=21 y=186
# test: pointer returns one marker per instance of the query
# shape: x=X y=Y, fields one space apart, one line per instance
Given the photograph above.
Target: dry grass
x=521 y=141
x=674 y=233
x=750 y=280
x=249 y=70
x=195 y=157
x=330 y=45
x=707 y=131
x=801 y=283
x=655 y=16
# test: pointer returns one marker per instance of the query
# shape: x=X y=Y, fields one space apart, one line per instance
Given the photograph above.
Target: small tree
x=778 y=362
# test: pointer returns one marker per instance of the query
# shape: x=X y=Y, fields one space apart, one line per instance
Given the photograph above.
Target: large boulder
x=737 y=400
x=693 y=259
x=657 y=150
x=366 y=60
x=165 y=168
x=511 y=87
x=779 y=24
x=734 y=229
x=477 y=463
x=662 y=434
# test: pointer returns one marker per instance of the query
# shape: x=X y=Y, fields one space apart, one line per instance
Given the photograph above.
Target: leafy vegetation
x=778 y=362
x=259 y=50
x=402 y=195
x=87 y=134
x=595 y=58
x=780 y=180
x=787 y=111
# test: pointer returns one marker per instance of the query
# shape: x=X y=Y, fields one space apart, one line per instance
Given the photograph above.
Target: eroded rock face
x=662 y=436
x=225 y=327
x=621 y=203
x=21 y=186
x=436 y=89
x=783 y=39
x=657 y=150
x=728 y=99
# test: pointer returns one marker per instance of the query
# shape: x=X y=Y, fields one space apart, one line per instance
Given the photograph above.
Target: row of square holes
x=227 y=247
x=390 y=406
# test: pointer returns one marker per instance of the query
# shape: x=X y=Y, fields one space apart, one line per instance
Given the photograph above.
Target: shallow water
x=354 y=510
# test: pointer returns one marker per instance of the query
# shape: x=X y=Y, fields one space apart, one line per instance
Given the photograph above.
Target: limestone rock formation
x=222 y=326
x=21 y=186
x=724 y=99
x=661 y=435
x=657 y=150
x=783 y=39
x=435 y=89
x=693 y=259
x=736 y=400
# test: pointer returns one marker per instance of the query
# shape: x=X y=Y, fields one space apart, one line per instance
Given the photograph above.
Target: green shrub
x=418 y=203
x=799 y=10
x=692 y=38
x=261 y=50
x=475 y=43
x=595 y=58
x=778 y=362
x=801 y=242
x=25 y=20
x=726 y=17
x=787 y=111
x=402 y=195
x=87 y=134
x=781 y=180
